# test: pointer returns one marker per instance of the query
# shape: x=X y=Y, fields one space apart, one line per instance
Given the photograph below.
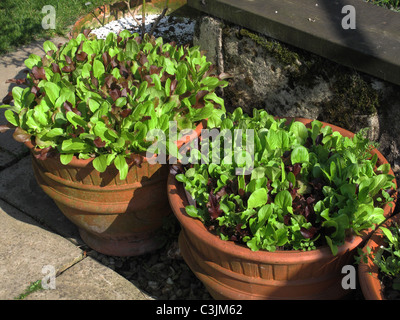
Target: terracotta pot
x=232 y=271
x=115 y=217
x=368 y=271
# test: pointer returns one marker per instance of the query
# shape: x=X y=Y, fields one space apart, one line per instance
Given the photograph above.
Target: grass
x=390 y=4
x=34 y=286
x=21 y=20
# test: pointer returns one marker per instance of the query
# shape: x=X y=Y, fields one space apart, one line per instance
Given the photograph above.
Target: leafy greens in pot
x=309 y=186
x=95 y=98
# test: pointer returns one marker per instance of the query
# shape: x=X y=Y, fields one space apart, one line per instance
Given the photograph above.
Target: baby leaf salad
x=308 y=187
x=96 y=98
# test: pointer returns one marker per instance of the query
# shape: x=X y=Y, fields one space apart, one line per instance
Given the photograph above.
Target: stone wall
x=287 y=81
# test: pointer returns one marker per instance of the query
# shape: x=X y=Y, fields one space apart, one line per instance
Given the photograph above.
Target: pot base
x=122 y=247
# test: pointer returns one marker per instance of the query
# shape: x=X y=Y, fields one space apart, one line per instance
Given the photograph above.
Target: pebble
x=179 y=293
x=179 y=29
x=119 y=263
x=184 y=283
x=153 y=285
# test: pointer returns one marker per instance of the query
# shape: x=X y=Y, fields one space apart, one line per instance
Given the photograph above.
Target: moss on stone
x=302 y=67
x=353 y=97
x=276 y=49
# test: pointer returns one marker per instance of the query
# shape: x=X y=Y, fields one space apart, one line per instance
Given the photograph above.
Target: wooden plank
x=372 y=47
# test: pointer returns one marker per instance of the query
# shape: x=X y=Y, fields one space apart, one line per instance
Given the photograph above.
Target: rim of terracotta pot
x=81 y=163
x=368 y=271
x=178 y=201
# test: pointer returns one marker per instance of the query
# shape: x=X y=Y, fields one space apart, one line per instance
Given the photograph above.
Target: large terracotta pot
x=368 y=271
x=232 y=271
x=115 y=217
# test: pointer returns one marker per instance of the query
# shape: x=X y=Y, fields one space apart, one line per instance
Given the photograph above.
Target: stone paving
x=36 y=240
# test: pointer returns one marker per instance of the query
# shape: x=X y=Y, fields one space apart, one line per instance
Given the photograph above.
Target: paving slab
x=25 y=248
x=90 y=280
x=6 y=158
x=19 y=188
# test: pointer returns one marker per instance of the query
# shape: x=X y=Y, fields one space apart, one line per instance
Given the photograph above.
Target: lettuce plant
x=308 y=187
x=94 y=98
x=387 y=259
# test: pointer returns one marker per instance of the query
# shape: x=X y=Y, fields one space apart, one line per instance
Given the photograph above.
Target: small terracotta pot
x=232 y=271
x=115 y=217
x=368 y=271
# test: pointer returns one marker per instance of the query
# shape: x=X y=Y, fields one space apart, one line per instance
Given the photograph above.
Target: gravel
x=161 y=274
x=171 y=28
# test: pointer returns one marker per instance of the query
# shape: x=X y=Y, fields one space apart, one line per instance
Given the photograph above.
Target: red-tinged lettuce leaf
x=174 y=83
x=16 y=81
x=143 y=59
x=39 y=73
x=68 y=69
x=99 y=143
x=296 y=169
x=318 y=139
x=68 y=59
x=137 y=160
x=109 y=80
x=200 y=99
x=106 y=59
x=67 y=106
x=21 y=135
x=44 y=153
x=126 y=112
x=35 y=90
x=81 y=56
x=115 y=94
x=155 y=69
x=55 y=68
x=213 y=207
x=308 y=233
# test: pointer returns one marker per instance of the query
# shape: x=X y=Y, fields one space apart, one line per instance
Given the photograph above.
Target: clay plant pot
x=368 y=272
x=114 y=217
x=233 y=271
